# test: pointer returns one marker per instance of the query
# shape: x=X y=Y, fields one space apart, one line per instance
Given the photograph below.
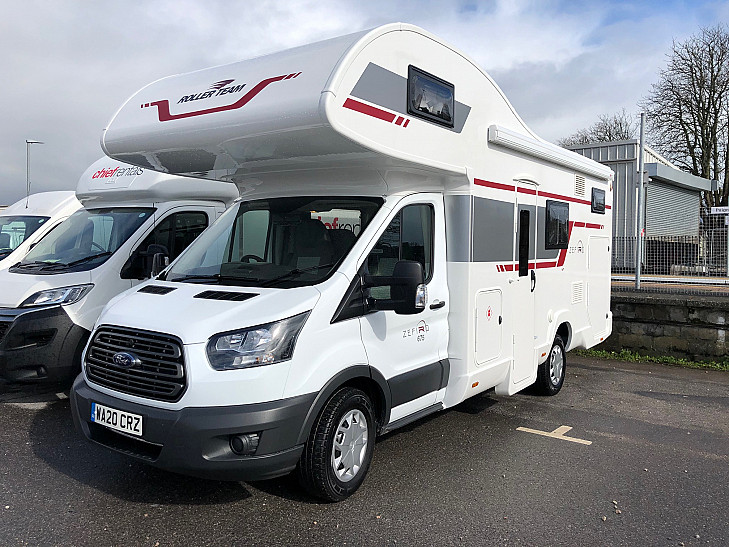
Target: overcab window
x=557 y=229
x=430 y=97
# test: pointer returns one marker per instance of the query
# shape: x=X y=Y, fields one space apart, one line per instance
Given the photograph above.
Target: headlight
x=51 y=297
x=256 y=346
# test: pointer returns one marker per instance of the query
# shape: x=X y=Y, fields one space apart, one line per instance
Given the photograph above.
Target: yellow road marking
x=558 y=433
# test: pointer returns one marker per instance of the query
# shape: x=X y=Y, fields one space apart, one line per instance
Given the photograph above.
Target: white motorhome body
x=51 y=297
x=510 y=238
x=25 y=222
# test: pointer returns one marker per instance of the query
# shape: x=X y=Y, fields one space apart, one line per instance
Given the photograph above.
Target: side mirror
x=156 y=259
x=408 y=294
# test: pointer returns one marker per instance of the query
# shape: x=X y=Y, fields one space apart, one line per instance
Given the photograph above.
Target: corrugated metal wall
x=671 y=211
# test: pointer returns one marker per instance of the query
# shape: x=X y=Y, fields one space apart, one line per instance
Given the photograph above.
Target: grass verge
x=627 y=355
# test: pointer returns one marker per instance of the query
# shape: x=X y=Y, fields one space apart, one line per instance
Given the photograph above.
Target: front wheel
x=551 y=373
x=339 y=449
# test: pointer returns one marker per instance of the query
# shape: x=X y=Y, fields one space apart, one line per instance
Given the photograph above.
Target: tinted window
x=598 y=201
x=409 y=236
x=430 y=97
x=174 y=233
x=557 y=229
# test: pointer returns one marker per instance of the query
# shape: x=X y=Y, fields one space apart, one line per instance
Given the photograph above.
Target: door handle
x=437 y=305
x=534 y=280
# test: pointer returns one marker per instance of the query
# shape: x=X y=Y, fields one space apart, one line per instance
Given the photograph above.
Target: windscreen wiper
x=85 y=259
x=295 y=272
x=39 y=264
x=212 y=277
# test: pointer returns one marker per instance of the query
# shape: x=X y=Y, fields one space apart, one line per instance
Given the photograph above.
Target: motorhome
x=24 y=223
x=471 y=256
x=51 y=297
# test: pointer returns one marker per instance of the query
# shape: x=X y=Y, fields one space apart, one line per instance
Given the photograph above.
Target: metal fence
x=677 y=263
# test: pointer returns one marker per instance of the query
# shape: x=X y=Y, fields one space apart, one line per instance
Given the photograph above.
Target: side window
x=408 y=237
x=557 y=229
x=598 y=201
x=250 y=235
x=175 y=233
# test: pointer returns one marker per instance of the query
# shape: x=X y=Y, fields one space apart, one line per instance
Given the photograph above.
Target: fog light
x=244 y=445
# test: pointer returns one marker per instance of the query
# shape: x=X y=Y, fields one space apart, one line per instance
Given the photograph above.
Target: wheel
x=551 y=373
x=339 y=450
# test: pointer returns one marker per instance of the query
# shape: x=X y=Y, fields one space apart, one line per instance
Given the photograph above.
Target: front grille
x=3 y=329
x=159 y=373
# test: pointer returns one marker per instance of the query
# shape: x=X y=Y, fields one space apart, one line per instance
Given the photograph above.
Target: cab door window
x=174 y=233
x=409 y=236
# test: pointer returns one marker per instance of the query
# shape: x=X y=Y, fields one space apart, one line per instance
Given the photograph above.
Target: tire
x=327 y=469
x=551 y=373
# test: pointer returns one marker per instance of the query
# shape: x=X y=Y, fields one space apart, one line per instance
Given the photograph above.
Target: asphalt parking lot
x=656 y=472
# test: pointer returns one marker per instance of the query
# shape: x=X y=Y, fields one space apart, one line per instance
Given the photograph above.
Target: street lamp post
x=27 y=168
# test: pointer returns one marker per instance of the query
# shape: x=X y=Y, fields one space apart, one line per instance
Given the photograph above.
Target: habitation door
x=524 y=281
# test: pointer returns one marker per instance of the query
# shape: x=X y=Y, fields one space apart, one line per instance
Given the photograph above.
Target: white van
x=471 y=256
x=24 y=223
x=51 y=298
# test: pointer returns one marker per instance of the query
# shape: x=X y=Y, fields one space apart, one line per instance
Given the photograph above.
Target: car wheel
x=551 y=373
x=339 y=450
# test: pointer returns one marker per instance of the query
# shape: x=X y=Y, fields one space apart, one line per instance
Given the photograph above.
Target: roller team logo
x=216 y=89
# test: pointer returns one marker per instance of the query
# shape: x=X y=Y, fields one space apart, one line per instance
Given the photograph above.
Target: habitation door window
x=557 y=229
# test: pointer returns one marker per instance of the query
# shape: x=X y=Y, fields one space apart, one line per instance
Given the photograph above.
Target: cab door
x=411 y=350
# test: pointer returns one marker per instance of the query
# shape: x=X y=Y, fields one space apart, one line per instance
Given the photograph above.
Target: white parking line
x=558 y=433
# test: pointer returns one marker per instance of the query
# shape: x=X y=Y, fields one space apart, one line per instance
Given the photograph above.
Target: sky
x=68 y=65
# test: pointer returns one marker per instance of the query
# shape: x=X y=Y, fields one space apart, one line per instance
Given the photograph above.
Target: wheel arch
x=363 y=377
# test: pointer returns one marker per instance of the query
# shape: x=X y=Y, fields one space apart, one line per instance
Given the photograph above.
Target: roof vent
x=157 y=289
x=225 y=295
x=579 y=185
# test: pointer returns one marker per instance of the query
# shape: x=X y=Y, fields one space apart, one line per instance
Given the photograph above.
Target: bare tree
x=688 y=109
x=617 y=127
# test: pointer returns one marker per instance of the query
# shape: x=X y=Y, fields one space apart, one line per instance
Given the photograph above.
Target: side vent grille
x=225 y=295
x=578 y=290
x=579 y=185
x=157 y=289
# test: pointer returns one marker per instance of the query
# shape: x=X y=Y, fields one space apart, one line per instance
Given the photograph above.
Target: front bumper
x=39 y=345
x=196 y=441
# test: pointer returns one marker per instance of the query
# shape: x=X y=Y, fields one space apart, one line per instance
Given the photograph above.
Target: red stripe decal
x=530 y=191
x=496 y=185
x=563 y=252
x=399 y=120
x=593 y=226
x=608 y=207
x=565 y=198
x=406 y=123
x=546 y=265
x=369 y=110
x=163 y=107
x=579 y=224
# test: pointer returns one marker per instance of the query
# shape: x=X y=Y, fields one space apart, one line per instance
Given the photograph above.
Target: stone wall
x=684 y=326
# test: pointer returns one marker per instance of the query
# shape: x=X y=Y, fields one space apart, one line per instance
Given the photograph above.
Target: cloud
x=68 y=66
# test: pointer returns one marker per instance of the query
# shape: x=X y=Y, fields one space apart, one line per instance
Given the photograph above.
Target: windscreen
x=281 y=242
x=84 y=240
x=16 y=229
